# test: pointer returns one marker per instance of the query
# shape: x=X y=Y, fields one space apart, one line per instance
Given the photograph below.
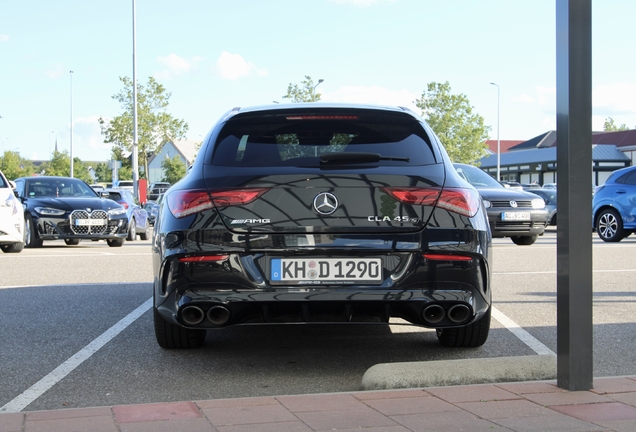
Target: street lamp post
x=71 y=74
x=313 y=96
x=498 y=142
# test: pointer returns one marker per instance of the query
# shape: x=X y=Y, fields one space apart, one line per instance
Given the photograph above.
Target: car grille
x=92 y=216
x=515 y=225
x=520 y=204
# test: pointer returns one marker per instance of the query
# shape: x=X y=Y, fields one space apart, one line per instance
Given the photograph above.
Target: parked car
x=149 y=206
x=68 y=209
x=550 y=198
x=157 y=189
x=330 y=213
x=11 y=218
x=126 y=184
x=550 y=186
x=138 y=224
x=614 y=206
x=517 y=214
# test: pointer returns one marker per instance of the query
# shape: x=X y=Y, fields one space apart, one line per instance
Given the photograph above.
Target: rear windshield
x=301 y=139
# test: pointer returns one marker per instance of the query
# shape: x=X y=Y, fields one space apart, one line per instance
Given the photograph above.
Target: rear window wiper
x=352 y=157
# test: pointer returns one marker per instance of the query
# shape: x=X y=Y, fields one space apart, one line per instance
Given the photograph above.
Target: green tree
x=154 y=125
x=452 y=118
x=173 y=169
x=14 y=166
x=103 y=173
x=610 y=126
x=60 y=165
x=306 y=92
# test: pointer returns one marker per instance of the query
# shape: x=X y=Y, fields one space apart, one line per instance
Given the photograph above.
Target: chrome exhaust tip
x=433 y=314
x=459 y=313
x=219 y=315
x=192 y=315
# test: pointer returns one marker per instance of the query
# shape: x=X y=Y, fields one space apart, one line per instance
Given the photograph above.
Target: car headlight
x=116 y=211
x=538 y=203
x=10 y=202
x=487 y=203
x=49 y=211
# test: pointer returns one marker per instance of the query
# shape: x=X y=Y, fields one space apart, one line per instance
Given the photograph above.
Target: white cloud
x=234 y=66
x=4 y=38
x=372 y=95
x=615 y=98
x=56 y=71
x=175 y=66
x=362 y=3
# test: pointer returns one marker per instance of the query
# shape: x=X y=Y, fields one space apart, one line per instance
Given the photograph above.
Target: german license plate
x=515 y=216
x=90 y=222
x=307 y=271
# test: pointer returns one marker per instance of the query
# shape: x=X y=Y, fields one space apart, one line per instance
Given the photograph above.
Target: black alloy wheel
x=31 y=238
x=170 y=336
x=470 y=336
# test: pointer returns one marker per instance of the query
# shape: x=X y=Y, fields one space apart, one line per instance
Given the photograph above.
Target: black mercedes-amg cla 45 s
x=314 y=213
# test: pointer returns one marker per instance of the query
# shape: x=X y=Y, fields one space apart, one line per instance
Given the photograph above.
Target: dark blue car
x=614 y=206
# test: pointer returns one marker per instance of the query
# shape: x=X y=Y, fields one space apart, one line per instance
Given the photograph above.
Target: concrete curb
x=459 y=372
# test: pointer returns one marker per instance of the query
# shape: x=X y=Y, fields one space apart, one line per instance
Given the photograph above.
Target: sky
x=213 y=55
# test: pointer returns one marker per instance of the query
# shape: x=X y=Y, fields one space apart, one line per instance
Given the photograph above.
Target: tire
x=471 y=336
x=524 y=240
x=609 y=226
x=31 y=238
x=71 y=242
x=171 y=336
x=553 y=221
x=115 y=242
x=12 y=248
x=132 y=230
x=144 y=235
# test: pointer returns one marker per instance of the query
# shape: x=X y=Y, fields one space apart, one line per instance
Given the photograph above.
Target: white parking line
x=38 y=389
x=554 y=272
x=523 y=335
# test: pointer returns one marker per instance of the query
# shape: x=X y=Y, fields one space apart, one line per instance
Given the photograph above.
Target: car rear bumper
x=446 y=306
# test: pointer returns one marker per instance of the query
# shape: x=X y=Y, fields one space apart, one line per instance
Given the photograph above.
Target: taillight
x=458 y=200
x=236 y=196
x=186 y=203
x=124 y=204
x=203 y=258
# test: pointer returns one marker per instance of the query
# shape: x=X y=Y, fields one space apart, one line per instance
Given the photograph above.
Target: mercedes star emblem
x=325 y=203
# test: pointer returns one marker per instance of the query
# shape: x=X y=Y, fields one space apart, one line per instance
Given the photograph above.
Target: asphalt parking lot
x=77 y=331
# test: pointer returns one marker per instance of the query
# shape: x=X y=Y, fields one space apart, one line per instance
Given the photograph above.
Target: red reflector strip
x=203 y=258
x=322 y=117
x=441 y=257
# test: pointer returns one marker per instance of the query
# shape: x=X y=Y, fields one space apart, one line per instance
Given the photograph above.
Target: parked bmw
x=11 y=219
x=312 y=213
x=520 y=215
x=68 y=209
x=614 y=206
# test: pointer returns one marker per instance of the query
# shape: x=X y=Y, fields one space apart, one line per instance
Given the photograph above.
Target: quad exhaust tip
x=433 y=314
x=459 y=313
x=192 y=315
x=219 y=315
